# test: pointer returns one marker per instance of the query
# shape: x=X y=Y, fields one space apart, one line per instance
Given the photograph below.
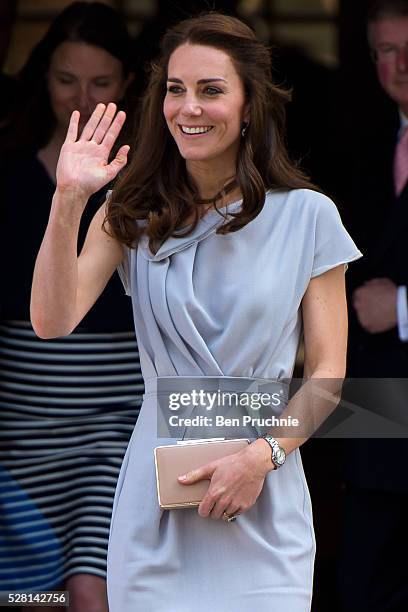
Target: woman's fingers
x=103 y=126
x=119 y=162
x=104 y=123
x=219 y=509
x=72 y=132
x=93 y=121
x=230 y=511
x=113 y=132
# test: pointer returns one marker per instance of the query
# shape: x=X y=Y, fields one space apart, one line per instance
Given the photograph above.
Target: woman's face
x=79 y=77
x=205 y=104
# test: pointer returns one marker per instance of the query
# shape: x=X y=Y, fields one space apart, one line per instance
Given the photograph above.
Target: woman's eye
x=101 y=83
x=65 y=80
x=174 y=89
x=212 y=91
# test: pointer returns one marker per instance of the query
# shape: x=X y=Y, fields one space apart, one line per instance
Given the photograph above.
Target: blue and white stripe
x=68 y=408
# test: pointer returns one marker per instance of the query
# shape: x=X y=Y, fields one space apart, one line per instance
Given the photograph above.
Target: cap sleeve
x=333 y=244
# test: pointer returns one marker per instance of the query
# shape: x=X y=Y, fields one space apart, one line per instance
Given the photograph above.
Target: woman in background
x=67 y=407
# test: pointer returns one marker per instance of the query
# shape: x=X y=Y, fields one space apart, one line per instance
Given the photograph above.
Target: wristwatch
x=278 y=454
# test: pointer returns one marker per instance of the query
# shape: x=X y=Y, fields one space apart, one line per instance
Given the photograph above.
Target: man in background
x=371 y=575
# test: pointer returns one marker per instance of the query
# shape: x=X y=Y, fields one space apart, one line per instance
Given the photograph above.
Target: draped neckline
x=206 y=226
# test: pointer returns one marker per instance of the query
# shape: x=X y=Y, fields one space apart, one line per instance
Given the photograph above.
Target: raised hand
x=83 y=162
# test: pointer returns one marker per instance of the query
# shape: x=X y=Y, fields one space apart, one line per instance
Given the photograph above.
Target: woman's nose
x=191 y=107
x=84 y=100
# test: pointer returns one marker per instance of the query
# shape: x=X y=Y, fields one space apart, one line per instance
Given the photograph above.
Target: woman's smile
x=198 y=130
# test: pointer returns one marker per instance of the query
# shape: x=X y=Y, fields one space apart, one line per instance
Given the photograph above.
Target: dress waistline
x=167 y=384
x=215 y=406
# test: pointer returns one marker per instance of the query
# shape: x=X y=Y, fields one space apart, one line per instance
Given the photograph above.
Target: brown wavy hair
x=154 y=194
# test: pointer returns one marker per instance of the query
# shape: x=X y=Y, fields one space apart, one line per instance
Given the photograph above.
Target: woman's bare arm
x=65 y=286
x=325 y=325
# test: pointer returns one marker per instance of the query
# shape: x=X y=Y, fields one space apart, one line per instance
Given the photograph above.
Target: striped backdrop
x=68 y=408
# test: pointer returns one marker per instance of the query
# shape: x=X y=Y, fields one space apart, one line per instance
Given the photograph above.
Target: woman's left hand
x=236 y=481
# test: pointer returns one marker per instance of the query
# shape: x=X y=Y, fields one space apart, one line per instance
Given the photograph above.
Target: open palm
x=83 y=162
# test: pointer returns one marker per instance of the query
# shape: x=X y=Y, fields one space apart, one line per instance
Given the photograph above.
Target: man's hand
x=375 y=303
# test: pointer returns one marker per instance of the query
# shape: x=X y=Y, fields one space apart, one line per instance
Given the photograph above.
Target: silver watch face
x=280 y=455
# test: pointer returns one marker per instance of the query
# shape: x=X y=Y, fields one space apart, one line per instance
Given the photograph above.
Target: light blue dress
x=221 y=305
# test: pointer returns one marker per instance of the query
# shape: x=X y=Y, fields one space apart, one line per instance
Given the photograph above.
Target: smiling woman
x=229 y=90
x=228 y=254
x=205 y=109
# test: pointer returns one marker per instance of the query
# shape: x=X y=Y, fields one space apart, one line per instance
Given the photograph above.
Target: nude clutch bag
x=177 y=459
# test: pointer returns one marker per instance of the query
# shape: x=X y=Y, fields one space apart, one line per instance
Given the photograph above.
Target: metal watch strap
x=278 y=455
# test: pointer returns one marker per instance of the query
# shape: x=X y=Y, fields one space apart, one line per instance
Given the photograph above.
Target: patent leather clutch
x=177 y=459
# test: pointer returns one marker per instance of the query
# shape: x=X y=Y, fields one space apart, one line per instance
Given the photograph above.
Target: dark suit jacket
x=378 y=222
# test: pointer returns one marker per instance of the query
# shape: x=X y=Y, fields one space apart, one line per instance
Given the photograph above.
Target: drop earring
x=244 y=129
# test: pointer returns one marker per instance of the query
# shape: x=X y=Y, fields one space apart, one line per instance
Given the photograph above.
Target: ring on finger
x=229 y=518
